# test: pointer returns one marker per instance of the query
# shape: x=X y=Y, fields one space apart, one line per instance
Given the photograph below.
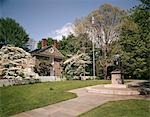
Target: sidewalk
x=73 y=107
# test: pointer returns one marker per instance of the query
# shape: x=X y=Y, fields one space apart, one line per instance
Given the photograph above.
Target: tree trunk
x=105 y=72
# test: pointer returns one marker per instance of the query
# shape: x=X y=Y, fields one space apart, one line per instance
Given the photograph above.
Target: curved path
x=73 y=107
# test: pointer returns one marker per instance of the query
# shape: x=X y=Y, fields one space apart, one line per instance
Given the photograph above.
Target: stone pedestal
x=117 y=77
x=116 y=80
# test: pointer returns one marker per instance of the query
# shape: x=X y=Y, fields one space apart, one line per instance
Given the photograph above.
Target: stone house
x=50 y=58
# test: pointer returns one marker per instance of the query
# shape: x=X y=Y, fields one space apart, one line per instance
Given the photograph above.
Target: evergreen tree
x=12 y=33
x=135 y=41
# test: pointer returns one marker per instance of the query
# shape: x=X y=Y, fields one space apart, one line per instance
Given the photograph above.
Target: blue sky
x=52 y=18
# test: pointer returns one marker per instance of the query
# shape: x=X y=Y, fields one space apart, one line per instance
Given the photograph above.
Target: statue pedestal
x=117 y=77
x=117 y=80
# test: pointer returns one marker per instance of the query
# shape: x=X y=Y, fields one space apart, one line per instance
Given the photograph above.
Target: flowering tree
x=76 y=64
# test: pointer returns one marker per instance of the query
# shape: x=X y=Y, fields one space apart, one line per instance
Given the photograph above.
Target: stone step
x=113 y=91
x=116 y=86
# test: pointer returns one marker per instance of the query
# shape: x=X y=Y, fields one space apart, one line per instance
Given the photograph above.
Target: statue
x=117 y=62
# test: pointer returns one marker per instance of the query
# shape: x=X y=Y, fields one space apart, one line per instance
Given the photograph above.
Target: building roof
x=45 y=52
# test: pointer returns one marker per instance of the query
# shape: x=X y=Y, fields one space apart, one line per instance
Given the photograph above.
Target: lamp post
x=93 y=49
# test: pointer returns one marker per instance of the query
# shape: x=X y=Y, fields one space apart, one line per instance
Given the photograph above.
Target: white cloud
x=64 y=31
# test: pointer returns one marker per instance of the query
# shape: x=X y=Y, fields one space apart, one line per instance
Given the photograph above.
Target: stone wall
x=50 y=78
x=11 y=82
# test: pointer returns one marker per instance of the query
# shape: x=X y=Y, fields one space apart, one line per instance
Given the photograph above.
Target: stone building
x=48 y=60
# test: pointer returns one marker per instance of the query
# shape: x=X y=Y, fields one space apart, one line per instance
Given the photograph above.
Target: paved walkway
x=73 y=107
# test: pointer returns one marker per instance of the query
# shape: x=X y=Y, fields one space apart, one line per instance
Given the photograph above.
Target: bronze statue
x=117 y=62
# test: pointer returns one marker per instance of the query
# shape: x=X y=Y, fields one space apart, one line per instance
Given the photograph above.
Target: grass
x=124 y=108
x=15 y=99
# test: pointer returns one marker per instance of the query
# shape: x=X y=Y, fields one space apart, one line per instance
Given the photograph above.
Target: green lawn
x=15 y=99
x=124 y=108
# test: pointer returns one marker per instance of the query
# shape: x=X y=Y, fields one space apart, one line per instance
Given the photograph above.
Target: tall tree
x=135 y=41
x=12 y=33
x=67 y=45
x=105 y=30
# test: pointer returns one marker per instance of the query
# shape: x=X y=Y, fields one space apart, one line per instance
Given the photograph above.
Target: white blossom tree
x=76 y=64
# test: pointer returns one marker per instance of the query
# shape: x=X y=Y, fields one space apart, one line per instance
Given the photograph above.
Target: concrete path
x=73 y=107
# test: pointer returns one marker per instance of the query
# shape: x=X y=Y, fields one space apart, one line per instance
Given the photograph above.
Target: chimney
x=56 y=44
x=44 y=43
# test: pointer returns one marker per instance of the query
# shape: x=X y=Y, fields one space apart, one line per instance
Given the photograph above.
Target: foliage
x=135 y=41
x=39 y=45
x=17 y=99
x=50 y=41
x=43 y=69
x=71 y=44
x=12 y=33
x=123 y=108
x=67 y=46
